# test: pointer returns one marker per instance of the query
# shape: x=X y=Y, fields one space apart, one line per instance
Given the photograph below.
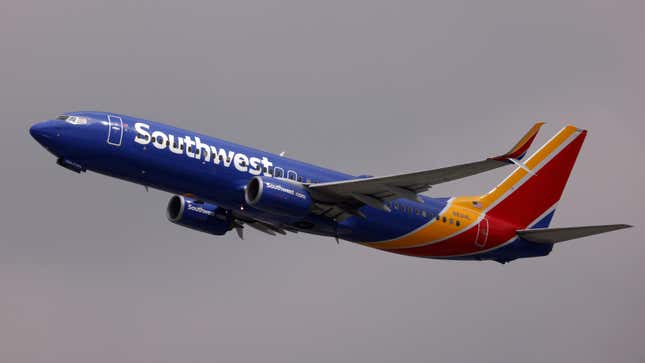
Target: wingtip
x=518 y=151
x=536 y=128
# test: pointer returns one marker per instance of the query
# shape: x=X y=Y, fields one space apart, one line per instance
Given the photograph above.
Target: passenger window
x=278 y=172
x=443 y=219
x=451 y=221
x=292 y=175
x=458 y=224
x=300 y=179
x=424 y=214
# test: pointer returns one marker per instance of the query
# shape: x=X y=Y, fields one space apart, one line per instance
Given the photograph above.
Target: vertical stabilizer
x=529 y=195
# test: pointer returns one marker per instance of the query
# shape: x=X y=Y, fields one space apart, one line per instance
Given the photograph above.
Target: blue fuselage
x=187 y=163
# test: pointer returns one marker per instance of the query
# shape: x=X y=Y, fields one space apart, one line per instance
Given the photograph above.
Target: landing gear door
x=115 y=130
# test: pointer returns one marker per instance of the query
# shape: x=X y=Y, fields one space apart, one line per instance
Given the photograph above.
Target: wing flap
x=555 y=235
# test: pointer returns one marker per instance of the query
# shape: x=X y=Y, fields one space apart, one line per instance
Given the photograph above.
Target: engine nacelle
x=278 y=196
x=203 y=217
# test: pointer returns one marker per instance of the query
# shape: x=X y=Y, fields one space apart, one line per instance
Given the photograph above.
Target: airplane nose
x=43 y=132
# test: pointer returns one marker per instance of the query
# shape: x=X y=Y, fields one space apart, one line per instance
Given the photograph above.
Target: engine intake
x=279 y=196
x=200 y=216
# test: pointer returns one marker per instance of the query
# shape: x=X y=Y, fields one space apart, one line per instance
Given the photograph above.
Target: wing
x=343 y=198
x=269 y=228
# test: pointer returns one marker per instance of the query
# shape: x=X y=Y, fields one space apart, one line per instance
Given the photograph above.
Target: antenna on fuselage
x=283 y=153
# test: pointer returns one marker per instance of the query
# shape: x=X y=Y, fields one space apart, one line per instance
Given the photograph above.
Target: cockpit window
x=74 y=120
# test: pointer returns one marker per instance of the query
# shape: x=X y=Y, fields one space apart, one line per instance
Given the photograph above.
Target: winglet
x=518 y=151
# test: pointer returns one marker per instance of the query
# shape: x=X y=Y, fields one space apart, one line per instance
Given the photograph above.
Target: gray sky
x=361 y=86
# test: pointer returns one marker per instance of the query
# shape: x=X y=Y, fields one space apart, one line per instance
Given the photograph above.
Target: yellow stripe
x=457 y=210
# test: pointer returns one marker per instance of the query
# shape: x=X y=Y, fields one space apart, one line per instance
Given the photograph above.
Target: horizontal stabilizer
x=555 y=235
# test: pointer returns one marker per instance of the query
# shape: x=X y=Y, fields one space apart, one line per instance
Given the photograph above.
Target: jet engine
x=200 y=216
x=278 y=196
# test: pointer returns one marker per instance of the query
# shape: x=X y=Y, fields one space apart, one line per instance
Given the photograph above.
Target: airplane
x=219 y=186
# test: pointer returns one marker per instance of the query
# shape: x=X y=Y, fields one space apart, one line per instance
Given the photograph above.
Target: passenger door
x=115 y=130
x=482 y=233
